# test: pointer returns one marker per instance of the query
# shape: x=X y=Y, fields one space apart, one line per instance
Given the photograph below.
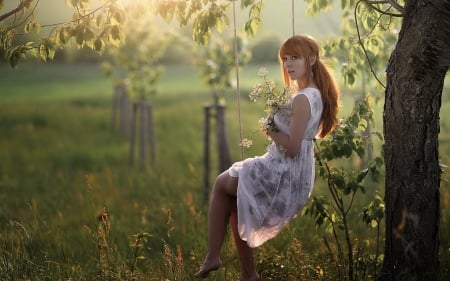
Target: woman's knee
x=226 y=183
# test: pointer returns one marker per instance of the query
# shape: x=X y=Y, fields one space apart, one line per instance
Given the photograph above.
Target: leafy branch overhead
x=206 y=16
x=92 y=25
x=369 y=30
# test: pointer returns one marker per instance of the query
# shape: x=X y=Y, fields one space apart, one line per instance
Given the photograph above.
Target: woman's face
x=294 y=66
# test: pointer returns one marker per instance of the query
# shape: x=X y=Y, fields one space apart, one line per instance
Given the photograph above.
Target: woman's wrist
x=270 y=125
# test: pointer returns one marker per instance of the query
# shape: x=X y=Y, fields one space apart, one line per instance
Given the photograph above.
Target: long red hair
x=306 y=47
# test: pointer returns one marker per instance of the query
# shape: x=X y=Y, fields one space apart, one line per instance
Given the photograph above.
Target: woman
x=259 y=196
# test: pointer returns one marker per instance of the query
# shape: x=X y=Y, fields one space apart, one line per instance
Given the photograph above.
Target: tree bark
x=415 y=79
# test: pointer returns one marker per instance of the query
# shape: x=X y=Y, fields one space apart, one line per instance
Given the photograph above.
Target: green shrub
x=265 y=49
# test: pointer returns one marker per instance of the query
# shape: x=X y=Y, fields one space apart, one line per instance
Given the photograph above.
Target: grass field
x=72 y=209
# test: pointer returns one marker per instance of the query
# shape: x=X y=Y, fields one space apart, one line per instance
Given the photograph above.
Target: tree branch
x=31 y=14
x=361 y=43
x=397 y=6
x=12 y=12
x=393 y=3
x=82 y=16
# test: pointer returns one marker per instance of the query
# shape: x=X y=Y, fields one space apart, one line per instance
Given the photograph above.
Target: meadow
x=71 y=208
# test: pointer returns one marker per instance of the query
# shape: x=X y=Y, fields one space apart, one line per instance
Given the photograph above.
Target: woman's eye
x=286 y=58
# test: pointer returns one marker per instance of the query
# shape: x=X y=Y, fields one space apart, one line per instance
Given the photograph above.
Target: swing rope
x=293 y=18
x=238 y=91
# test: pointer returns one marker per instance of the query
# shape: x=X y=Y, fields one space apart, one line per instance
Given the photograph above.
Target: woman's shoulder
x=309 y=92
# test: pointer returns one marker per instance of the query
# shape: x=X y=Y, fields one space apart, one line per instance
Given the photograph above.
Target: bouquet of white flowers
x=274 y=98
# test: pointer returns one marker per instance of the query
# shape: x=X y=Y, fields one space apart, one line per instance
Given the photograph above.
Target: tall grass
x=72 y=209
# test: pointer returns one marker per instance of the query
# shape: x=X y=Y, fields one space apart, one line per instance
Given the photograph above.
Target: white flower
x=246 y=143
x=255 y=93
x=262 y=72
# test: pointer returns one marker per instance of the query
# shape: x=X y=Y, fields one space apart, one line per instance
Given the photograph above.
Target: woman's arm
x=301 y=112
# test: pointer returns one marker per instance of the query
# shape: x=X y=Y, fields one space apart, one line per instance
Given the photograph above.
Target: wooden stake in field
x=146 y=133
x=217 y=112
x=120 y=107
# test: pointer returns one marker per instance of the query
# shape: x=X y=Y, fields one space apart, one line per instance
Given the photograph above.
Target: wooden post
x=132 y=134
x=124 y=110
x=146 y=133
x=120 y=109
x=151 y=132
x=143 y=133
x=223 y=151
x=114 y=106
x=222 y=143
x=206 y=159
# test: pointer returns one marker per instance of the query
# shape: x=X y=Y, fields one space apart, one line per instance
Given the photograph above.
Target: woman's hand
x=269 y=125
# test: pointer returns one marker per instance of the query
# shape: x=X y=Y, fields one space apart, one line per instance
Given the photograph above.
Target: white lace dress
x=273 y=188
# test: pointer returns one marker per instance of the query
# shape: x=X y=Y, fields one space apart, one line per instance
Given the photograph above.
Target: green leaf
x=26 y=4
x=16 y=54
x=117 y=17
x=47 y=49
x=89 y=38
x=246 y=3
x=339 y=181
x=363 y=124
x=79 y=36
x=43 y=51
x=51 y=51
x=314 y=7
x=362 y=174
x=349 y=74
x=84 y=4
x=99 y=45
x=117 y=36
x=375 y=45
x=62 y=36
x=31 y=26
x=100 y=19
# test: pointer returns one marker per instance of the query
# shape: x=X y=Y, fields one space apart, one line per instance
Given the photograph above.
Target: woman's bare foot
x=207 y=267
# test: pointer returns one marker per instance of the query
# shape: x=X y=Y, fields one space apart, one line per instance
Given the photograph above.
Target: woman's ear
x=312 y=60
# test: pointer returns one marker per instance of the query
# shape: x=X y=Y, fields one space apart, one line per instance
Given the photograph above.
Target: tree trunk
x=415 y=79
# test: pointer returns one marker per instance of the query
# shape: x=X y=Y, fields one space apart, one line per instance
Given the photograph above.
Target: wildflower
x=246 y=143
x=255 y=93
x=262 y=72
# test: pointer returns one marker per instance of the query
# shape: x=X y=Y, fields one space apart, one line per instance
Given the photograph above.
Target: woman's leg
x=248 y=268
x=222 y=199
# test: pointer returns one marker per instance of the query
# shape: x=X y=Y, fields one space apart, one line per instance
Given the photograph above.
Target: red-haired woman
x=259 y=196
